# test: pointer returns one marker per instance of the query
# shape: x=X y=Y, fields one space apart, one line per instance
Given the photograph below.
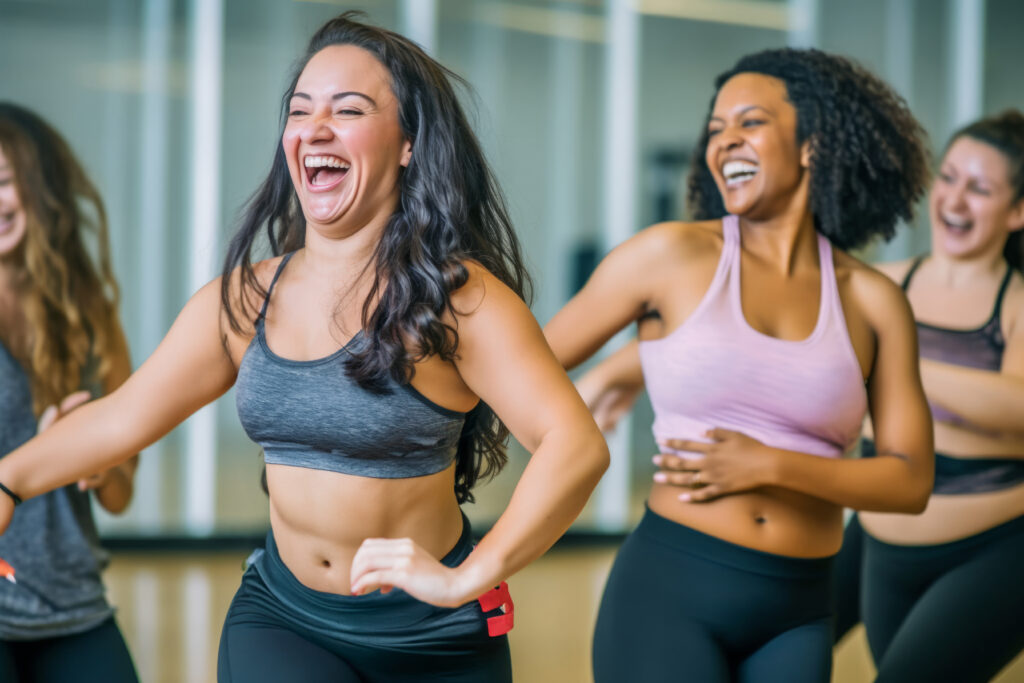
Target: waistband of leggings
x=1014 y=527
x=713 y=549
x=280 y=580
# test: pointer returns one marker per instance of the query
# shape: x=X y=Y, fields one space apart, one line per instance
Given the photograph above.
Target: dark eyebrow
x=743 y=111
x=339 y=96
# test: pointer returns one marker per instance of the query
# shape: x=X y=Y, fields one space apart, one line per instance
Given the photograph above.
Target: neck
x=957 y=272
x=786 y=239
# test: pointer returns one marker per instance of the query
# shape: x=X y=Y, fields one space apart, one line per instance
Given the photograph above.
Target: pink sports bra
x=715 y=370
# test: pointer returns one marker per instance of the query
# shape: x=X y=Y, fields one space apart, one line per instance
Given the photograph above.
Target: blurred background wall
x=587 y=109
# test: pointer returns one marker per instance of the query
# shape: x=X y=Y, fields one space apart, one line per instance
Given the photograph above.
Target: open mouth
x=6 y=222
x=738 y=172
x=325 y=171
x=956 y=224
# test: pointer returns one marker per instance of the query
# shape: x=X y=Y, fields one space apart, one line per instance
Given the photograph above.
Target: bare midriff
x=321 y=518
x=771 y=520
x=953 y=517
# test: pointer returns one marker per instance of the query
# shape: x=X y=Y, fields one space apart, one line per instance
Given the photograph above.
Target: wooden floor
x=171 y=607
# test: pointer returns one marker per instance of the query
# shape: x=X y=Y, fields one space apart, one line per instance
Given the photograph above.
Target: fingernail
x=660 y=477
x=656 y=460
x=685 y=497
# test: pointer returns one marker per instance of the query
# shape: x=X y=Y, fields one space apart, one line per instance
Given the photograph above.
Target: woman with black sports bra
x=373 y=355
x=940 y=593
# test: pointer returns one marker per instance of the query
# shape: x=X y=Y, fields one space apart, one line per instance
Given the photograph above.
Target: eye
x=5 y=181
x=980 y=189
x=750 y=123
x=713 y=132
x=349 y=112
x=297 y=112
x=945 y=177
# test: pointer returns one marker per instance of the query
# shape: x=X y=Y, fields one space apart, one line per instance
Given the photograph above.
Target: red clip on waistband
x=493 y=599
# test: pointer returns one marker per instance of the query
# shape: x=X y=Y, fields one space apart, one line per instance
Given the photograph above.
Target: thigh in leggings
x=98 y=655
x=680 y=605
x=964 y=623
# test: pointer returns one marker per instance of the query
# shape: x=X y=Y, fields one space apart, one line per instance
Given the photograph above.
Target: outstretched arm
x=189 y=369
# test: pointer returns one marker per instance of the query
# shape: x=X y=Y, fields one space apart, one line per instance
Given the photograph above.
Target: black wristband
x=14 y=496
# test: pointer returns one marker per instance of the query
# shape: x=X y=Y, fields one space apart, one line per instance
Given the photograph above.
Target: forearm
x=989 y=400
x=116 y=491
x=551 y=493
x=887 y=483
x=88 y=440
x=622 y=368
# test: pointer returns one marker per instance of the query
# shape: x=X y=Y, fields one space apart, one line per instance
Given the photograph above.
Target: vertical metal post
x=207 y=31
x=418 y=22
x=621 y=103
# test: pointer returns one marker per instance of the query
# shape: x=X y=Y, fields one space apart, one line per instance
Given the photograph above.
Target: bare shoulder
x=894 y=270
x=483 y=289
x=683 y=239
x=1013 y=306
x=876 y=294
x=245 y=297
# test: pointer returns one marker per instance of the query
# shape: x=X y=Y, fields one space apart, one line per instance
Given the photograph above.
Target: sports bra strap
x=910 y=273
x=997 y=310
x=277 y=274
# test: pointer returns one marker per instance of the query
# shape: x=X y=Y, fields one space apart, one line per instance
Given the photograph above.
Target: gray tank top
x=311 y=414
x=51 y=542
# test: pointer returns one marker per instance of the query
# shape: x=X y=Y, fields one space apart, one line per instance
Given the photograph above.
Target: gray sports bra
x=311 y=414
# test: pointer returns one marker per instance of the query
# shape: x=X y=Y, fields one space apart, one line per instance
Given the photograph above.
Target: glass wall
x=588 y=110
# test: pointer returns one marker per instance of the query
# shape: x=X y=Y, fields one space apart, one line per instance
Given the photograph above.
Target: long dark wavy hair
x=69 y=296
x=450 y=210
x=869 y=162
x=1004 y=132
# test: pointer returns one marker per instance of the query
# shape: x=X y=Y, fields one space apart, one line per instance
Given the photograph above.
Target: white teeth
x=961 y=223
x=738 y=170
x=322 y=161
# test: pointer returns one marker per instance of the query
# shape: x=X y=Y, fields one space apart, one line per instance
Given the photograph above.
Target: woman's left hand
x=386 y=563
x=731 y=462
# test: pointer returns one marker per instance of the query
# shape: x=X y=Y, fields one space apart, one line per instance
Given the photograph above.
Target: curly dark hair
x=450 y=210
x=1004 y=132
x=869 y=164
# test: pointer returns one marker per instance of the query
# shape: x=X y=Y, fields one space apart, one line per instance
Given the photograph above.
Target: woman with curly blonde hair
x=60 y=343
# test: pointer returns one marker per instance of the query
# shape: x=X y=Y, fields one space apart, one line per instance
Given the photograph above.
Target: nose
x=728 y=138
x=315 y=128
x=956 y=198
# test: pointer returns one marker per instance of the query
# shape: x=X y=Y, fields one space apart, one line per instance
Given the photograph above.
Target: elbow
x=596 y=448
x=916 y=495
x=915 y=503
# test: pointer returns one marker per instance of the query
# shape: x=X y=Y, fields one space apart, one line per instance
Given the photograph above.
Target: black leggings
x=948 y=612
x=681 y=605
x=277 y=629
x=98 y=655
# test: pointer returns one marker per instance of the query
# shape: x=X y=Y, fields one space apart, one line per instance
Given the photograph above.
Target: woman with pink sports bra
x=763 y=345
x=940 y=592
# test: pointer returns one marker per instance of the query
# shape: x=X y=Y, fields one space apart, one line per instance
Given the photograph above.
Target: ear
x=1016 y=218
x=406 y=153
x=806 y=153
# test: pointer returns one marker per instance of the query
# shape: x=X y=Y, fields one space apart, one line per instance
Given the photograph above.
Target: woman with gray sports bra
x=378 y=356
x=762 y=345
x=940 y=592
